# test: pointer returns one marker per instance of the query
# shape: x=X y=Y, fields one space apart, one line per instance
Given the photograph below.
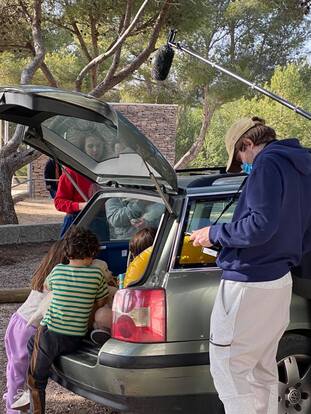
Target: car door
x=193 y=277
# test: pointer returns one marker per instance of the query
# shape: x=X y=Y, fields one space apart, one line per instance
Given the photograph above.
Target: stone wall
x=157 y=122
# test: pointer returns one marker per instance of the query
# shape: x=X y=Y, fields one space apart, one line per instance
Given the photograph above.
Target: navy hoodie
x=271 y=226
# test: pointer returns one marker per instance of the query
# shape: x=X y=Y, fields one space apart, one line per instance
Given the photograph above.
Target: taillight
x=139 y=315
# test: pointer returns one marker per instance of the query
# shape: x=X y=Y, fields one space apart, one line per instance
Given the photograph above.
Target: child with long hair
x=19 y=332
x=140 y=251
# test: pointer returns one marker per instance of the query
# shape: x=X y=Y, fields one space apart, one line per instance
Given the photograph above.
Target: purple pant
x=16 y=338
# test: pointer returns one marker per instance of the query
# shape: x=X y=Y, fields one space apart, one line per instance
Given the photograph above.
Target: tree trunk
x=208 y=111
x=7 y=211
x=12 y=160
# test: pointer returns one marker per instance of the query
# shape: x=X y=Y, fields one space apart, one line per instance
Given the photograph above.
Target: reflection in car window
x=99 y=141
x=127 y=215
x=201 y=213
x=119 y=218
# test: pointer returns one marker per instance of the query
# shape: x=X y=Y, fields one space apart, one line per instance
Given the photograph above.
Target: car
x=157 y=359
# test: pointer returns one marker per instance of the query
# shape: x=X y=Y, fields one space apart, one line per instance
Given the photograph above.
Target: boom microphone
x=162 y=62
x=164 y=58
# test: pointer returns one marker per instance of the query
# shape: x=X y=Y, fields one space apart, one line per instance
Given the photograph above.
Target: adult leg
x=230 y=381
x=253 y=327
x=265 y=374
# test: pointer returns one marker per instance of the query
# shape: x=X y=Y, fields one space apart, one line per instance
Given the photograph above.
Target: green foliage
x=287 y=82
x=10 y=68
x=189 y=123
x=22 y=172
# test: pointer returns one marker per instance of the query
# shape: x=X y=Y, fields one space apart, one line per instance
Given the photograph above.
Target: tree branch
x=29 y=71
x=196 y=147
x=25 y=11
x=14 y=142
x=103 y=86
x=25 y=157
x=117 y=55
x=94 y=37
x=48 y=74
x=81 y=41
x=99 y=59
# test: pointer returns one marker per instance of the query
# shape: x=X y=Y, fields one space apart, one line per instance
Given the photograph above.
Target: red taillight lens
x=139 y=315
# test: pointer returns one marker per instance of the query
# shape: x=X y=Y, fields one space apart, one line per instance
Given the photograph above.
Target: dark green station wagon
x=157 y=360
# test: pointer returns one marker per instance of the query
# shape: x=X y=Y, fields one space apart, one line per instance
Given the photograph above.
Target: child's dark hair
x=142 y=240
x=54 y=256
x=80 y=243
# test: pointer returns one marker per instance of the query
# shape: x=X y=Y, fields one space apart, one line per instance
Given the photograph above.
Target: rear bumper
x=181 y=404
x=161 y=378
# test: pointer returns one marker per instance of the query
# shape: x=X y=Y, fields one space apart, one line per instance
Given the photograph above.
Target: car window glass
x=127 y=215
x=201 y=213
x=99 y=141
x=115 y=220
x=119 y=218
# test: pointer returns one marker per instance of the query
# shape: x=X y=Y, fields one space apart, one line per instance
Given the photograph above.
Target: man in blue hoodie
x=269 y=233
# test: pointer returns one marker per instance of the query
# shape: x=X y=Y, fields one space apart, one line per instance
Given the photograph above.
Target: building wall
x=157 y=122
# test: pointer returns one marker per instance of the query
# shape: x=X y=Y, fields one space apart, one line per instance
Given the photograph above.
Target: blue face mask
x=247 y=168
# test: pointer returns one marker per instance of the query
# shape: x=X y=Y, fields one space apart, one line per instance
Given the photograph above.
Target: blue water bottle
x=121 y=280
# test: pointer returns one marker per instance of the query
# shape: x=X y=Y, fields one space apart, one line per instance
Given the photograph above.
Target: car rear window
x=100 y=141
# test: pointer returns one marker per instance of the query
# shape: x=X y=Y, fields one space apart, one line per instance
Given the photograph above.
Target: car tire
x=294 y=366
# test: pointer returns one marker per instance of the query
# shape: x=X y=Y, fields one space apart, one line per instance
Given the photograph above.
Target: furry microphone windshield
x=162 y=62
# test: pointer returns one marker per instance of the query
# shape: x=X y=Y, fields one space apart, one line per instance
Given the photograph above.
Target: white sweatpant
x=247 y=322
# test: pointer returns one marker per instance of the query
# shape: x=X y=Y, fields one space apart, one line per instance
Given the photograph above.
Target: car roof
x=210 y=183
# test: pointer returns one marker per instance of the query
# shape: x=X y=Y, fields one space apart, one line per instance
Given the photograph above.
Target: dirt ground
x=32 y=211
x=17 y=263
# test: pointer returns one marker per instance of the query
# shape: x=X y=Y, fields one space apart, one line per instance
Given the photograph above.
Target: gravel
x=17 y=263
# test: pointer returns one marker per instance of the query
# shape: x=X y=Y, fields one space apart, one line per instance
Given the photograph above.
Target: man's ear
x=248 y=142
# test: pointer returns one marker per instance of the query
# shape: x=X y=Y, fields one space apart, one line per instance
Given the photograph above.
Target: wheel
x=294 y=366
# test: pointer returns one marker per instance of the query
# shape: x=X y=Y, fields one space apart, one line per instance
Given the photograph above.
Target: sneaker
x=100 y=336
x=22 y=400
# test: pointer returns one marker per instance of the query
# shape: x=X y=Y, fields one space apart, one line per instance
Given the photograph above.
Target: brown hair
x=54 y=256
x=80 y=243
x=258 y=134
x=142 y=240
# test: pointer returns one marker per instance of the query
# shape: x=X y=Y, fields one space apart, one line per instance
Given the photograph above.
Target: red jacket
x=67 y=198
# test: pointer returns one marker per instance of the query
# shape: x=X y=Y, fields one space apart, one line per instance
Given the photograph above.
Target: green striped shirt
x=75 y=289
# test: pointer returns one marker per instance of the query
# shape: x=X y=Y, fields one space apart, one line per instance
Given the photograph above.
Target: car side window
x=127 y=215
x=201 y=213
x=119 y=218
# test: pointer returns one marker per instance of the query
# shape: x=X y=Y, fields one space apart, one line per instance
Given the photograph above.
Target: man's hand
x=82 y=205
x=137 y=223
x=201 y=237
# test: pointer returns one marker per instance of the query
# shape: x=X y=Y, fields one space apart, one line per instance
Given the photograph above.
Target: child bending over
x=78 y=289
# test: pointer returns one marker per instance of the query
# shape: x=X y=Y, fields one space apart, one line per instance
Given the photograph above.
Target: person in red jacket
x=73 y=192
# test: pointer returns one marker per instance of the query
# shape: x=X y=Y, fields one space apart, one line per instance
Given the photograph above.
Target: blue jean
x=44 y=347
x=68 y=220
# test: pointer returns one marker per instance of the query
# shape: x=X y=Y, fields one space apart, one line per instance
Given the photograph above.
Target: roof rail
x=192 y=171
